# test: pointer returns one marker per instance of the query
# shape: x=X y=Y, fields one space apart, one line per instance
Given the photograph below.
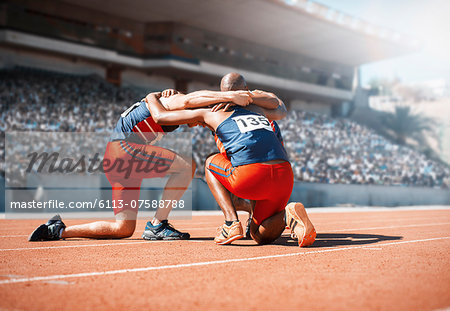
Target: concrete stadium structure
x=305 y=52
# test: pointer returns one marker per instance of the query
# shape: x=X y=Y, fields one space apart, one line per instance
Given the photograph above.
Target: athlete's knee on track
x=262 y=239
x=259 y=237
x=269 y=229
x=125 y=224
x=125 y=228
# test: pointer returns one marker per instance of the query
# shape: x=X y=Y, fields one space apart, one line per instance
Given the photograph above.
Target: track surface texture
x=362 y=260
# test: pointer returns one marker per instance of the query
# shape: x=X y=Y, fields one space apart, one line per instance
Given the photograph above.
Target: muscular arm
x=269 y=105
x=206 y=98
x=168 y=117
x=198 y=116
x=265 y=99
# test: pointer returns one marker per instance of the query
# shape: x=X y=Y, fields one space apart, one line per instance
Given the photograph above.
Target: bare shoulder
x=257 y=109
x=213 y=119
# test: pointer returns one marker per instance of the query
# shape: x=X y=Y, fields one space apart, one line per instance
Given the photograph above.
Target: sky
x=425 y=20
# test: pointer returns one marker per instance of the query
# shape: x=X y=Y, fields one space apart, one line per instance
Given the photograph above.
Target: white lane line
x=69 y=246
x=59 y=282
x=201 y=241
x=391 y=227
x=199 y=264
x=97 y=245
x=369 y=220
x=13 y=236
x=352 y=229
x=11 y=276
x=197 y=229
x=370 y=209
x=338 y=230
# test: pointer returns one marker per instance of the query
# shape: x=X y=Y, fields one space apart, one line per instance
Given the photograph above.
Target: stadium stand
x=322 y=149
x=170 y=40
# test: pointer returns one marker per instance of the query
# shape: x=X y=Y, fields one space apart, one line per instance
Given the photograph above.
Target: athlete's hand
x=169 y=92
x=242 y=98
x=156 y=94
x=219 y=106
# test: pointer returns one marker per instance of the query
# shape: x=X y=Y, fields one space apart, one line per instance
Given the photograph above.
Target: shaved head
x=233 y=82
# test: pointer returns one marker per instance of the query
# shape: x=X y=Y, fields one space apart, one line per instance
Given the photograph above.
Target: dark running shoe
x=163 y=231
x=50 y=231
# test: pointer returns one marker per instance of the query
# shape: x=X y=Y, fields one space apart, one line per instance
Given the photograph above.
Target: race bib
x=253 y=122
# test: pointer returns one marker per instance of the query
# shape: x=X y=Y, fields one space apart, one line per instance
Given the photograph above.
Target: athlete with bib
x=252 y=164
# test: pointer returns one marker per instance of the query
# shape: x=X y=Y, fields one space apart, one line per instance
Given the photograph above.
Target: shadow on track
x=322 y=240
x=339 y=239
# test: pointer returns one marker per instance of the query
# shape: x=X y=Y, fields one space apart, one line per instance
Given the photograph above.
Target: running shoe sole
x=231 y=239
x=166 y=238
x=298 y=215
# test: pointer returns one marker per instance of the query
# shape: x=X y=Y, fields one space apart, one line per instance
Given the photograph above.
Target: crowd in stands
x=339 y=151
x=329 y=150
x=321 y=149
x=33 y=100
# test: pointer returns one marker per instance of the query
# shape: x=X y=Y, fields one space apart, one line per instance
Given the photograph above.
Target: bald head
x=233 y=82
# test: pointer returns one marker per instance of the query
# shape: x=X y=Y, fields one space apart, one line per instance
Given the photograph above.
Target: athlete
x=273 y=107
x=127 y=155
x=235 y=82
x=252 y=164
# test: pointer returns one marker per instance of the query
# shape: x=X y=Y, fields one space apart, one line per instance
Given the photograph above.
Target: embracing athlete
x=131 y=144
x=252 y=164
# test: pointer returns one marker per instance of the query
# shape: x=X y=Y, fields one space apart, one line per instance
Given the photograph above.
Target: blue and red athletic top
x=137 y=125
x=247 y=137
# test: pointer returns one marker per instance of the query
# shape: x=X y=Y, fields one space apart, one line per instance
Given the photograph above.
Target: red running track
x=374 y=260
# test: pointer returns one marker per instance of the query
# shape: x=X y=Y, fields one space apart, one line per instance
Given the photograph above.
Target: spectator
x=321 y=149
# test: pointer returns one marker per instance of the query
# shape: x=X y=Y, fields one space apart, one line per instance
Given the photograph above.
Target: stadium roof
x=298 y=26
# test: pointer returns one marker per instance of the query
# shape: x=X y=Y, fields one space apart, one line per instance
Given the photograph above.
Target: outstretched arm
x=264 y=103
x=272 y=107
x=206 y=98
x=167 y=117
x=265 y=99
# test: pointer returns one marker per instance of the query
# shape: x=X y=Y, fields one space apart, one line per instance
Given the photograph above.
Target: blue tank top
x=137 y=125
x=248 y=137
